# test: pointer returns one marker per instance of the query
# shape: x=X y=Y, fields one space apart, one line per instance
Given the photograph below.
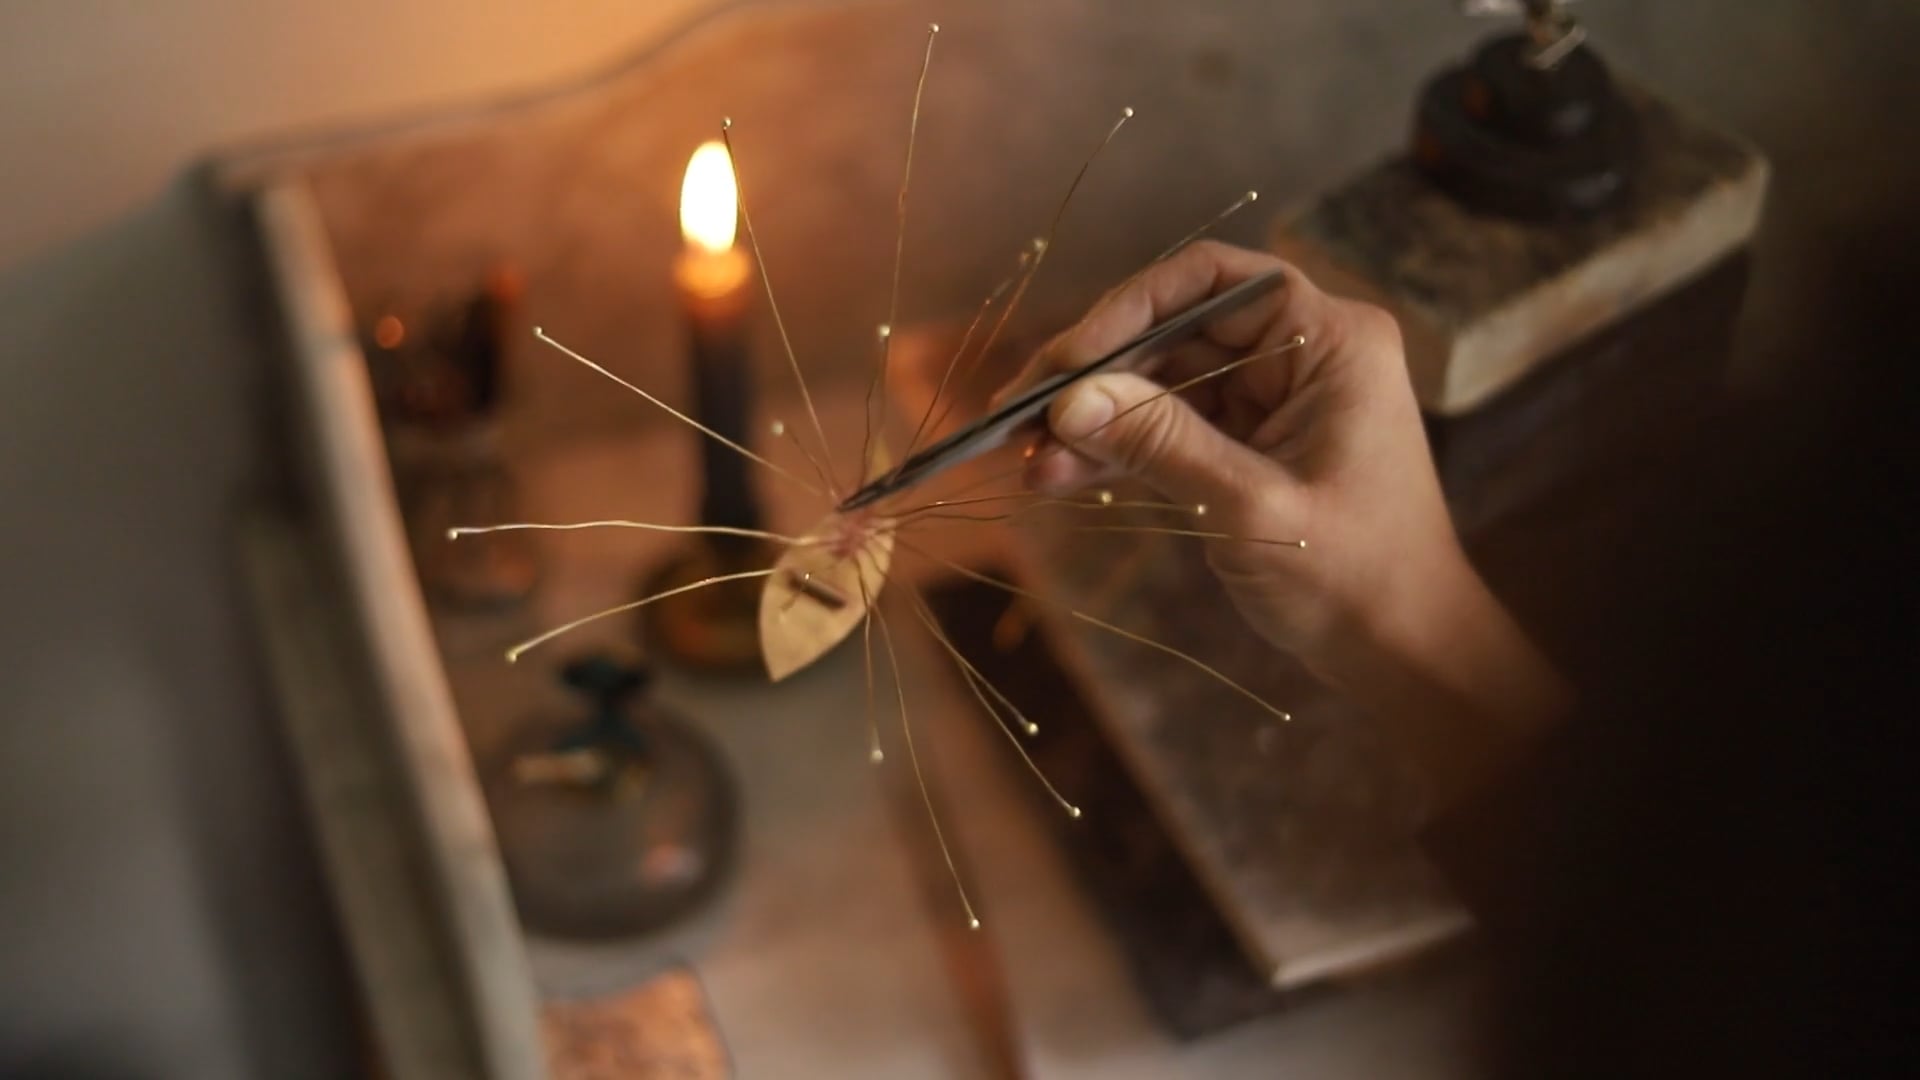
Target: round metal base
x=625 y=843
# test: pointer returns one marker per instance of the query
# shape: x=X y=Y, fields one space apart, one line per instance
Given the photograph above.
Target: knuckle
x=1382 y=328
x=1361 y=331
x=1374 y=328
x=1209 y=248
x=1299 y=282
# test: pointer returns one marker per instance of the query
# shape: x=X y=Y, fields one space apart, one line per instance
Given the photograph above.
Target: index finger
x=1165 y=289
x=1159 y=291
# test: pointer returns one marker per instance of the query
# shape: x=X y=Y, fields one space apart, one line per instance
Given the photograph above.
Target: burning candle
x=714 y=279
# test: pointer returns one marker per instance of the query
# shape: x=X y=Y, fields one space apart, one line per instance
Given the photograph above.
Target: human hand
x=1322 y=443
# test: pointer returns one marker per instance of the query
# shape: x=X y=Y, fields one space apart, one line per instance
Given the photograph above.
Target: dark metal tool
x=992 y=431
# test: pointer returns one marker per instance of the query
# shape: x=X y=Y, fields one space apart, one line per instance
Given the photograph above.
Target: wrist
x=1447 y=671
x=1399 y=621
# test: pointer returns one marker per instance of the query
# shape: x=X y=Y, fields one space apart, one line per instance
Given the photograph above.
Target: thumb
x=1131 y=424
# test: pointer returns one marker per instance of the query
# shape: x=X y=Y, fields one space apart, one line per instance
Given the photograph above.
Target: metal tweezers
x=992 y=431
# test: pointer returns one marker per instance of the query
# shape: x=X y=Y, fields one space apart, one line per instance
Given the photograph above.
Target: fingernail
x=1082 y=413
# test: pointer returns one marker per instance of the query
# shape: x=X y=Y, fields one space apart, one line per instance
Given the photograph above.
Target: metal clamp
x=1554 y=32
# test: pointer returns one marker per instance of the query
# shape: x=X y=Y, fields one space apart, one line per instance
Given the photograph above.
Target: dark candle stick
x=714 y=290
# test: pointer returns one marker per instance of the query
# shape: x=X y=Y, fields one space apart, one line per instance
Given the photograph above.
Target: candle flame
x=709 y=202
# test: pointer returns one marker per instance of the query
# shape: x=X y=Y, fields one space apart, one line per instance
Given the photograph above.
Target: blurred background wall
x=160 y=913
x=105 y=99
